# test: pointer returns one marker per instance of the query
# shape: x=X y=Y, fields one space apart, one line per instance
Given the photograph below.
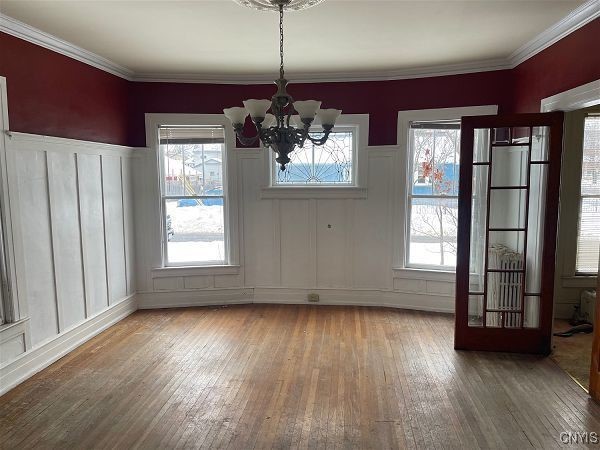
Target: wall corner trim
x=31 y=362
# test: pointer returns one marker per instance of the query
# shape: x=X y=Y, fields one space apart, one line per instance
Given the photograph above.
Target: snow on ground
x=198 y=234
x=185 y=252
x=429 y=254
x=195 y=219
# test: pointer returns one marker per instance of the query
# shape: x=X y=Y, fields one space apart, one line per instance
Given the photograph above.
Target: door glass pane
x=505 y=250
x=507 y=208
x=475 y=310
x=504 y=291
x=535 y=225
x=532 y=312
x=481 y=149
x=539 y=143
x=520 y=135
x=478 y=217
x=509 y=166
x=501 y=136
x=493 y=319
x=512 y=320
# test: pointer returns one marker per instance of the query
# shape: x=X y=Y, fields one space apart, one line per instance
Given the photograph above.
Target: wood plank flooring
x=285 y=376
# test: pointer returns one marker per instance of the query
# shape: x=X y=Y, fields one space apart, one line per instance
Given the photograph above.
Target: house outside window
x=193 y=197
x=432 y=207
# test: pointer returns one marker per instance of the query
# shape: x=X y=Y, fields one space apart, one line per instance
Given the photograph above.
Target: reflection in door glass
x=506 y=241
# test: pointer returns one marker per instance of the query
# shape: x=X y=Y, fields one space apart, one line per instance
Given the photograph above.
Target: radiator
x=504 y=289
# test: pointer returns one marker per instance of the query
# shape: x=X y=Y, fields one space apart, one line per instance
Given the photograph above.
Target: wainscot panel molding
x=292 y=245
x=14 y=340
x=31 y=362
x=71 y=211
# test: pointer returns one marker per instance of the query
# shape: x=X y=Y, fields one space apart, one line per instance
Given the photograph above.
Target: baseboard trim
x=333 y=296
x=40 y=357
x=184 y=299
x=357 y=297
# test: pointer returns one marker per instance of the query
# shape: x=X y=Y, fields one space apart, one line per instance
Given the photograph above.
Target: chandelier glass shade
x=282 y=124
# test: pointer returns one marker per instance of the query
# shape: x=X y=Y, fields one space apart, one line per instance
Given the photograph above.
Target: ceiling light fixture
x=288 y=124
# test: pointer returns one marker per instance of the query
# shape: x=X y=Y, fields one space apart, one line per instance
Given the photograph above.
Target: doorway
x=578 y=245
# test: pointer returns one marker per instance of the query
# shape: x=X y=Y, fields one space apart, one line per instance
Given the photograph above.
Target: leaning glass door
x=508 y=202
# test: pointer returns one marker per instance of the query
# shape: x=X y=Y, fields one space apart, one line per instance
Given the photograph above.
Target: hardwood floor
x=283 y=376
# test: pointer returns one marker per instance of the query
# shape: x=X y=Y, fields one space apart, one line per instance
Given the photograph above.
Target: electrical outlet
x=313 y=297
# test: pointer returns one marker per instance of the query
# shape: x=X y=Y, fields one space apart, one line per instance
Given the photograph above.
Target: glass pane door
x=503 y=214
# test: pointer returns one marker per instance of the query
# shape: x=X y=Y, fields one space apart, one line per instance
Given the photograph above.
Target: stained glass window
x=329 y=164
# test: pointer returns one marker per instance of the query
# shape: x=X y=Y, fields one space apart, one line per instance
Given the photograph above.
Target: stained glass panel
x=331 y=163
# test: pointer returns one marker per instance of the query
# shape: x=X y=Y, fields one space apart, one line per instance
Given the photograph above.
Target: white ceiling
x=212 y=38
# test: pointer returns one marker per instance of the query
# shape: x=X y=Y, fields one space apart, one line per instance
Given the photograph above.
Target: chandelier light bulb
x=237 y=115
x=296 y=121
x=328 y=116
x=269 y=121
x=307 y=108
x=257 y=108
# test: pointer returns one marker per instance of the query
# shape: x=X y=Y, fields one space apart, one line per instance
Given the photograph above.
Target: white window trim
x=573 y=99
x=402 y=228
x=358 y=189
x=231 y=236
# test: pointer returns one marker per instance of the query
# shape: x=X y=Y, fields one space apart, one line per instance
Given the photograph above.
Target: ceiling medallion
x=287 y=125
x=273 y=5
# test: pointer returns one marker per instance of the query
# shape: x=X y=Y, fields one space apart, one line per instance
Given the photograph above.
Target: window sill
x=183 y=271
x=582 y=281
x=301 y=192
x=424 y=274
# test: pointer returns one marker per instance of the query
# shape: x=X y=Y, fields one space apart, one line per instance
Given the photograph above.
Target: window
x=193 y=196
x=330 y=164
x=588 y=236
x=432 y=213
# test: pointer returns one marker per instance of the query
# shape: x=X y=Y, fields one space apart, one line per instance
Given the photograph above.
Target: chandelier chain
x=281 y=71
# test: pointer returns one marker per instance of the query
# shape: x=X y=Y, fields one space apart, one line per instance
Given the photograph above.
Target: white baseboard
x=40 y=357
x=358 y=297
x=182 y=299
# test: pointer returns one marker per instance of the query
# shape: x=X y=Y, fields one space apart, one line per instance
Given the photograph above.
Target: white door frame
x=576 y=98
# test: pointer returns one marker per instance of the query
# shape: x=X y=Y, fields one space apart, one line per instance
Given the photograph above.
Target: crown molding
x=575 y=20
x=28 y=33
x=581 y=16
x=330 y=77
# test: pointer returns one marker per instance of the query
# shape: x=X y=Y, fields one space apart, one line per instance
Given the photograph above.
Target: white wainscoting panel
x=66 y=238
x=113 y=227
x=36 y=242
x=73 y=236
x=341 y=248
x=92 y=231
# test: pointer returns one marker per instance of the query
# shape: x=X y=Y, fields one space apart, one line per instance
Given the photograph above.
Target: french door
x=507 y=224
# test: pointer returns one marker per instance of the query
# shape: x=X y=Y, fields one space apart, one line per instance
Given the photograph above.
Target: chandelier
x=287 y=126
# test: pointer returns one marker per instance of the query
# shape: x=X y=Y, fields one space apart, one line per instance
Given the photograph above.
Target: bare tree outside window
x=433 y=195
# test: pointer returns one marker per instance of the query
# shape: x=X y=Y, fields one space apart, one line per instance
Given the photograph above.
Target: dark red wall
x=381 y=99
x=54 y=95
x=570 y=62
